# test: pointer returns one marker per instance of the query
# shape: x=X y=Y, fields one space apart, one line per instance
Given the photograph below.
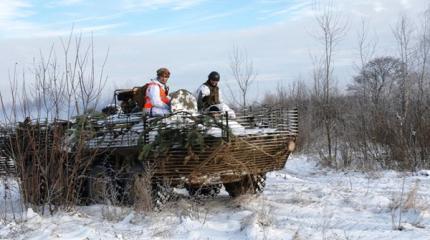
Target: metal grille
x=128 y=130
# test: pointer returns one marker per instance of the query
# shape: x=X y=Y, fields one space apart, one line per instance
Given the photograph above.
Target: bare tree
x=366 y=45
x=373 y=87
x=332 y=28
x=243 y=72
x=403 y=34
x=419 y=89
x=366 y=49
x=51 y=154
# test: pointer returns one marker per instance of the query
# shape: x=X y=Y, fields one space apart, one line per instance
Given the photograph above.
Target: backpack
x=139 y=95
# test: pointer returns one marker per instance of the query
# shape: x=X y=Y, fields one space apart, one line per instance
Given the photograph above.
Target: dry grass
x=142 y=191
x=296 y=236
x=114 y=213
x=409 y=202
x=413 y=200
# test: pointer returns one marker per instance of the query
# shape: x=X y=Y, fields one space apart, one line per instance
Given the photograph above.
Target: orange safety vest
x=163 y=96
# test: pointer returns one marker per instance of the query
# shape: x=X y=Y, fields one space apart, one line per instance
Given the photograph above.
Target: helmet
x=214 y=76
x=163 y=72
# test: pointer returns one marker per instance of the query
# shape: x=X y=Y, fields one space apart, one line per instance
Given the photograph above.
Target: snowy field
x=302 y=201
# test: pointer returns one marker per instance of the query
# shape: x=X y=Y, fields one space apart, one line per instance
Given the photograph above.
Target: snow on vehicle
x=125 y=151
x=200 y=152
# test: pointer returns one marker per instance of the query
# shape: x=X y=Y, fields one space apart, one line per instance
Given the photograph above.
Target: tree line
x=383 y=117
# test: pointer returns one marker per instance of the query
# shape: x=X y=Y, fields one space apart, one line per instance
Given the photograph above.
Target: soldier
x=209 y=97
x=157 y=101
x=208 y=93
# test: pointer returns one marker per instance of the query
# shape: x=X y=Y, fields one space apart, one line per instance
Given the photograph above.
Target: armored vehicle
x=126 y=153
x=198 y=151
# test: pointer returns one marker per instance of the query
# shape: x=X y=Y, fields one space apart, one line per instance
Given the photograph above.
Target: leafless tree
x=383 y=118
x=373 y=87
x=423 y=54
x=332 y=28
x=403 y=34
x=420 y=85
x=243 y=71
x=366 y=49
x=366 y=45
x=423 y=84
x=50 y=154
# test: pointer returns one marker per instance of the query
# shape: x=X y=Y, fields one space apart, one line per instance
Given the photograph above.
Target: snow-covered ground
x=302 y=201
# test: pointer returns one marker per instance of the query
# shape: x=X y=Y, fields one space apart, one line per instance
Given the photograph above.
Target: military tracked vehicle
x=198 y=151
x=131 y=151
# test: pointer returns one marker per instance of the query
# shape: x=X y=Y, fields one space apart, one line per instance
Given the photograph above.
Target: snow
x=302 y=201
x=222 y=107
x=182 y=102
x=124 y=137
x=238 y=130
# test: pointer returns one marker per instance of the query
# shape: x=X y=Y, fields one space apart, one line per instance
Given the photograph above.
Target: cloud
x=378 y=7
x=156 y=4
x=16 y=21
x=183 y=25
x=93 y=29
x=294 y=9
x=13 y=9
x=11 y=13
x=406 y=3
x=152 y=31
x=66 y=2
x=280 y=51
x=12 y=17
x=187 y=4
x=20 y=19
x=27 y=30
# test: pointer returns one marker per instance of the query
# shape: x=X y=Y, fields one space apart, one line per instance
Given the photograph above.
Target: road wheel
x=240 y=187
x=204 y=191
x=250 y=184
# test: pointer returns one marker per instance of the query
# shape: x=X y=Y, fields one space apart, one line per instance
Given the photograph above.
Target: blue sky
x=195 y=37
x=141 y=17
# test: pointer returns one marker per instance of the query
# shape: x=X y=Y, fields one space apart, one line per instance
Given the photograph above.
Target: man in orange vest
x=157 y=101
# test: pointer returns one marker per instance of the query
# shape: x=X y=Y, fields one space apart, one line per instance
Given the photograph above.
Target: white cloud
x=12 y=19
x=11 y=13
x=186 y=4
x=182 y=25
x=64 y=3
x=280 y=52
x=12 y=9
x=293 y=9
x=155 y=4
x=152 y=31
x=95 y=29
x=27 y=30
x=378 y=7
x=70 y=2
x=14 y=22
x=406 y=3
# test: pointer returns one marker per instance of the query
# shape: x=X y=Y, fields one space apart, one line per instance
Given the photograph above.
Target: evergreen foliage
x=190 y=137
